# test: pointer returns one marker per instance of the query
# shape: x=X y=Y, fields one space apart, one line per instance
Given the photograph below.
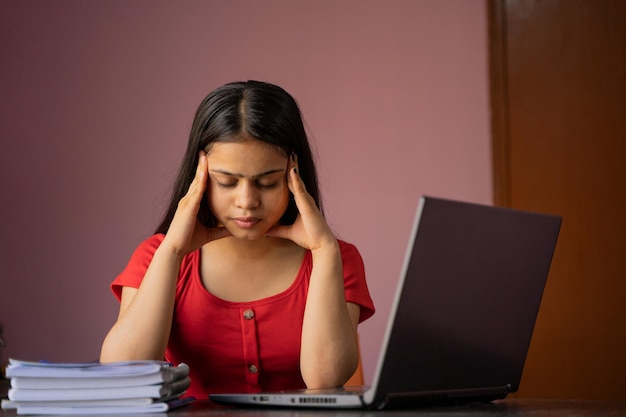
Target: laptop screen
x=473 y=282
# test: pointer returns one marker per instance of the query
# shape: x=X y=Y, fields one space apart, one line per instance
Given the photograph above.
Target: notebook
x=463 y=315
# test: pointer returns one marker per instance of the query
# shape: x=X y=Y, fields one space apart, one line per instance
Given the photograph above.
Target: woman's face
x=247 y=190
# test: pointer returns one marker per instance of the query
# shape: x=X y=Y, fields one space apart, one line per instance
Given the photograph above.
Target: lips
x=246 y=222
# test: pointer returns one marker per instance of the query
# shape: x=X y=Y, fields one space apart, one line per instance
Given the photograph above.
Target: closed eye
x=265 y=181
x=267 y=186
x=258 y=184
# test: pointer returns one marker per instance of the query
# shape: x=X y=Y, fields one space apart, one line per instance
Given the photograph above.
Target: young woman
x=243 y=280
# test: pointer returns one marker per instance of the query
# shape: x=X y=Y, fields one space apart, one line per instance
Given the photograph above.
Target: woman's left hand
x=329 y=349
x=310 y=229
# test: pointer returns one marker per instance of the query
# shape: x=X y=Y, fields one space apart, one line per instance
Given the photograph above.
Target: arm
x=145 y=318
x=329 y=352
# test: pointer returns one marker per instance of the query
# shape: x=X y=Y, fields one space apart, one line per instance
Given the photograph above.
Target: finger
x=216 y=233
x=303 y=199
x=290 y=166
x=296 y=185
x=199 y=182
x=283 y=232
x=202 y=171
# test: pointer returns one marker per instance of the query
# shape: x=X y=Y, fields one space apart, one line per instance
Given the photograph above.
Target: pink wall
x=97 y=100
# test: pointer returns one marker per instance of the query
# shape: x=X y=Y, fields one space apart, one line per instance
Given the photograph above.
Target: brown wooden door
x=558 y=81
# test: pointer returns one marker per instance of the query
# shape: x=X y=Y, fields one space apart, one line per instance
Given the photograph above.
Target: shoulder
x=349 y=253
x=133 y=273
x=143 y=253
x=343 y=245
x=151 y=244
x=355 y=284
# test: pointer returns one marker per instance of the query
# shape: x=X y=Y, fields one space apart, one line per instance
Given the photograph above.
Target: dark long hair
x=258 y=109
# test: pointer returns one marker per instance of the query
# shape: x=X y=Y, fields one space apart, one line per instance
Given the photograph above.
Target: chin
x=250 y=237
x=248 y=234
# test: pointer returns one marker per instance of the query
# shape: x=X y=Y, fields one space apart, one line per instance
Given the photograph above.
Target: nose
x=247 y=196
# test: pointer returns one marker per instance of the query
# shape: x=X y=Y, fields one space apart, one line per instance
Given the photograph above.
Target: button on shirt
x=250 y=346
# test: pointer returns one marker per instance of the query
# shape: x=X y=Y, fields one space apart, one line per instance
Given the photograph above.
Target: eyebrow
x=262 y=174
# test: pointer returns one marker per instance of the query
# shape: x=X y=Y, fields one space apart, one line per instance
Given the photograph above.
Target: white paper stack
x=95 y=388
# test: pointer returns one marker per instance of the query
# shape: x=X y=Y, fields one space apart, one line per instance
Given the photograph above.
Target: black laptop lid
x=472 y=289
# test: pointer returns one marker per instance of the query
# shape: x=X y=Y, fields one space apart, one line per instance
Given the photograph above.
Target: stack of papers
x=95 y=388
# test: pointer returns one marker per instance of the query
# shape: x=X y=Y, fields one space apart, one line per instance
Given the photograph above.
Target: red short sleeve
x=137 y=266
x=354 y=280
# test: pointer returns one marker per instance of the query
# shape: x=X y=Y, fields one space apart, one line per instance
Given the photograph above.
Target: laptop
x=463 y=315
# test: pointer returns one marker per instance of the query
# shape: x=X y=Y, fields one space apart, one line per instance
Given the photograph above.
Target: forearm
x=143 y=326
x=329 y=352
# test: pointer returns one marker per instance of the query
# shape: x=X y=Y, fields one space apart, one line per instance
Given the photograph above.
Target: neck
x=251 y=249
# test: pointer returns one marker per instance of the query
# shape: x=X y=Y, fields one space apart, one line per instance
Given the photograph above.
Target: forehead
x=248 y=157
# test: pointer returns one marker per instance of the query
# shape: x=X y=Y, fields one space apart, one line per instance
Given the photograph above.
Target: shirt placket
x=250 y=347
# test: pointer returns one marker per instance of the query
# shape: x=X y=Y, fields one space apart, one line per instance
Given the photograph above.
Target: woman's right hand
x=186 y=233
x=143 y=326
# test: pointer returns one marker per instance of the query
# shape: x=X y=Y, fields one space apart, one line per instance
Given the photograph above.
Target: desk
x=506 y=408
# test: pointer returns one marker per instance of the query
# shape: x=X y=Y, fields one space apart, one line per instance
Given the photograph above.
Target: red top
x=240 y=346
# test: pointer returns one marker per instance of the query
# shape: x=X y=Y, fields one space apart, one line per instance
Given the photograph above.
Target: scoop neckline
x=197 y=280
